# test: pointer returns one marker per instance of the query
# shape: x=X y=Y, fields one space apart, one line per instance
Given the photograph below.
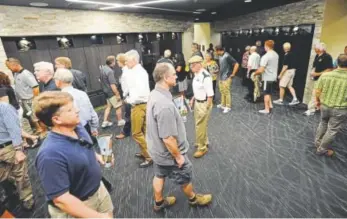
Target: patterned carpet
x=257 y=166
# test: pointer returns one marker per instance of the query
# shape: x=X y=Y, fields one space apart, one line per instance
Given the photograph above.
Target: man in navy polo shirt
x=67 y=165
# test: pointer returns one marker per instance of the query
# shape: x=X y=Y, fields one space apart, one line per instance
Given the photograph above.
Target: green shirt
x=333 y=87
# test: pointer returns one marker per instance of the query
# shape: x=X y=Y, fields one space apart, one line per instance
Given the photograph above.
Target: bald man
x=287 y=75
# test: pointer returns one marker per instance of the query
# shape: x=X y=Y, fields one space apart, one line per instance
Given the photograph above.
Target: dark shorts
x=268 y=87
x=179 y=176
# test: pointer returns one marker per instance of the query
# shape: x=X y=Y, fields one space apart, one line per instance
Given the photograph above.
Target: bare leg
x=119 y=114
x=267 y=99
x=188 y=190
x=107 y=111
x=158 y=186
x=292 y=91
x=282 y=92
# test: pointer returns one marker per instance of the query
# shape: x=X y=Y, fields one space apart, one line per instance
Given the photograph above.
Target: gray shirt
x=24 y=83
x=270 y=62
x=107 y=78
x=163 y=120
x=226 y=63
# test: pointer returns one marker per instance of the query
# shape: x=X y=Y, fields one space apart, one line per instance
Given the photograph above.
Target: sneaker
x=226 y=110
x=328 y=153
x=168 y=201
x=106 y=124
x=309 y=113
x=263 y=111
x=121 y=122
x=278 y=102
x=28 y=203
x=220 y=106
x=294 y=102
x=201 y=200
x=146 y=163
x=199 y=153
x=184 y=118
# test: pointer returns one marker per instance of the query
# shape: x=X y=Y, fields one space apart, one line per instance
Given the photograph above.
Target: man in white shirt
x=268 y=69
x=126 y=132
x=137 y=93
x=252 y=66
x=202 y=101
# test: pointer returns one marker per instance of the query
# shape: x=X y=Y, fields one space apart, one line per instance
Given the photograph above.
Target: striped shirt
x=10 y=130
x=333 y=87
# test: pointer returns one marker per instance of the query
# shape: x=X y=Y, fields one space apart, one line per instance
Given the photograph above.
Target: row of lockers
x=88 y=58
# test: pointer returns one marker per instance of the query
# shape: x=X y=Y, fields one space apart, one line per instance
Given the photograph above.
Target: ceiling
x=222 y=8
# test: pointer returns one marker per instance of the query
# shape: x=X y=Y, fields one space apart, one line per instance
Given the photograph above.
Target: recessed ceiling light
x=213 y=12
x=38 y=4
x=201 y=10
x=197 y=19
x=196 y=12
x=247 y=1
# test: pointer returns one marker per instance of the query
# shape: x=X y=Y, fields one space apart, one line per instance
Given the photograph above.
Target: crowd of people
x=65 y=125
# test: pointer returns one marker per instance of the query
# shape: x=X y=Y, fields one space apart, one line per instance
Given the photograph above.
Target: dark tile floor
x=257 y=166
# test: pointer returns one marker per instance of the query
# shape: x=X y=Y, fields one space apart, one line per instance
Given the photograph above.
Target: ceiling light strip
x=96 y=3
x=141 y=3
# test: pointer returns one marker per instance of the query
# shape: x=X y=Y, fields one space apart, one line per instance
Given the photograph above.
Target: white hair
x=287 y=45
x=253 y=49
x=248 y=48
x=161 y=70
x=44 y=66
x=133 y=54
x=167 y=53
x=64 y=75
x=321 y=46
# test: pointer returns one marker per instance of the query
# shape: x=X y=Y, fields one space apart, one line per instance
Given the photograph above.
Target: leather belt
x=5 y=144
x=201 y=101
x=139 y=103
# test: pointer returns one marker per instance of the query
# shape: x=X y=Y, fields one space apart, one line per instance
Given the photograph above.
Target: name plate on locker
x=105 y=144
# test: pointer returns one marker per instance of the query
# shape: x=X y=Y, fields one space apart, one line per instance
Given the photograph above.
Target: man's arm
x=284 y=69
x=76 y=208
x=171 y=144
x=318 y=91
x=12 y=124
x=115 y=90
x=236 y=69
x=259 y=71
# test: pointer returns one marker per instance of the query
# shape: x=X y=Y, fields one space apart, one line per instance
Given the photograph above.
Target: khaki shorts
x=116 y=103
x=288 y=78
x=100 y=202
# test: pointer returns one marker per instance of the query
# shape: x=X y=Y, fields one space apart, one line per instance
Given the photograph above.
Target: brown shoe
x=168 y=201
x=328 y=153
x=121 y=136
x=201 y=200
x=200 y=153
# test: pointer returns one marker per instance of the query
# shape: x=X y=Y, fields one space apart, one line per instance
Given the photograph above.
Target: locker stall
x=87 y=53
x=301 y=42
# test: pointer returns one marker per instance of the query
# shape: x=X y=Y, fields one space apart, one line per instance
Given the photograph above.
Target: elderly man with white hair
x=136 y=94
x=323 y=62
x=88 y=117
x=166 y=58
x=252 y=66
x=44 y=72
x=287 y=75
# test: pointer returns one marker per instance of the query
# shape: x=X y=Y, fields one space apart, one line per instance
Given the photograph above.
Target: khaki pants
x=138 y=128
x=17 y=173
x=312 y=104
x=224 y=88
x=100 y=202
x=201 y=115
x=332 y=122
